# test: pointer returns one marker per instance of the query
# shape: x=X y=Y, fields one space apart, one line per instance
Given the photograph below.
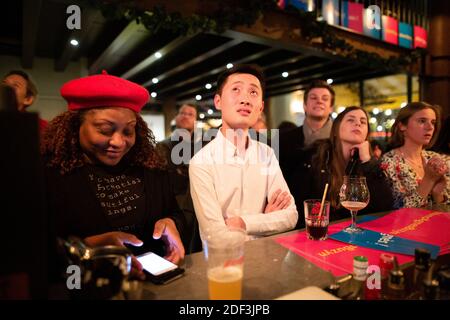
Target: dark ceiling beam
x=89 y=19
x=302 y=84
x=131 y=36
x=184 y=94
x=287 y=61
x=147 y=62
x=271 y=42
x=30 y=26
x=215 y=71
x=196 y=60
x=254 y=35
x=205 y=101
x=303 y=70
x=361 y=76
x=317 y=75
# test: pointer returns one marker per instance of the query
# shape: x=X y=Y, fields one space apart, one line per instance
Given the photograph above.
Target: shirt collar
x=229 y=149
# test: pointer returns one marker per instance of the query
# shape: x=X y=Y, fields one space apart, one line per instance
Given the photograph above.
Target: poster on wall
x=305 y=5
x=420 y=37
x=352 y=15
x=330 y=11
x=390 y=30
x=372 y=22
x=405 y=35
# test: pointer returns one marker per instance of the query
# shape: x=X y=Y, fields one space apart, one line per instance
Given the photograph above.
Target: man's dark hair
x=319 y=84
x=31 y=87
x=189 y=105
x=242 y=68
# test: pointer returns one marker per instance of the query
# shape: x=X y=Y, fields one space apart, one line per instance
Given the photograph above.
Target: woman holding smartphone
x=417 y=176
x=326 y=162
x=103 y=176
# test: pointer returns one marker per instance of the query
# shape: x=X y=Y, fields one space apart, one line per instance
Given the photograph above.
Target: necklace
x=415 y=164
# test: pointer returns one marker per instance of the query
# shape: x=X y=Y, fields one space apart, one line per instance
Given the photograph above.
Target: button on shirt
x=226 y=184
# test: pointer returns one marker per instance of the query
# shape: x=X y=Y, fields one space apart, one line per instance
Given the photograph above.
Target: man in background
x=318 y=103
x=26 y=91
x=177 y=150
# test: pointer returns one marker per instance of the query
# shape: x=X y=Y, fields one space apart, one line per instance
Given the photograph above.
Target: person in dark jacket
x=318 y=102
x=104 y=182
x=178 y=150
x=326 y=161
x=26 y=92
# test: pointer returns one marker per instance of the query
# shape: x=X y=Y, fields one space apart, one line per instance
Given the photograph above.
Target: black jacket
x=308 y=180
x=292 y=143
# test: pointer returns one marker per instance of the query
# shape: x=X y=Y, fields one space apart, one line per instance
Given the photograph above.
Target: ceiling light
x=373 y=120
x=340 y=109
x=198 y=97
x=74 y=42
x=229 y=65
x=403 y=104
x=379 y=128
x=208 y=86
x=330 y=81
x=334 y=115
x=210 y=111
x=158 y=55
x=153 y=94
x=155 y=80
x=202 y=115
x=388 y=112
x=285 y=74
x=376 y=111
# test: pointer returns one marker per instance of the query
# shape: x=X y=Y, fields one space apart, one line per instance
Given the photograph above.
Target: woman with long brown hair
x=417 y=176
x=104 y=182
x=326 y=162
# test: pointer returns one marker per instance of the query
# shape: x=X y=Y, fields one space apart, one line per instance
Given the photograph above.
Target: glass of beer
x=224 y=251
x=354 y=196
x=316 y=222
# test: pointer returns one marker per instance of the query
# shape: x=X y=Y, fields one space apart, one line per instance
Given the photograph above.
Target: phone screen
x=155 y=264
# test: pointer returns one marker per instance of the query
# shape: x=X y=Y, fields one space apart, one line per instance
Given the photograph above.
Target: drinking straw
x=323 y=201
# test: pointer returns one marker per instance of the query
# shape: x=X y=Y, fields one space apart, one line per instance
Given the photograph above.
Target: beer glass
x=224 y=251
x=354 y=196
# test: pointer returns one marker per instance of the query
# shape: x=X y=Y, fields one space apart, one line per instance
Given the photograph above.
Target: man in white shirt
x=236 y=181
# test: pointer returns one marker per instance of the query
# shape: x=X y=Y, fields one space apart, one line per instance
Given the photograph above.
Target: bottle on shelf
x=422 y=264
x=430 y=289
x=443 y=276
x=396 y=284
x=358 y=282
x=386 y=265
x=352 y=168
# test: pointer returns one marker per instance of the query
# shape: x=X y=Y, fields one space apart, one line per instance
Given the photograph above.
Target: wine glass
x=354 y=195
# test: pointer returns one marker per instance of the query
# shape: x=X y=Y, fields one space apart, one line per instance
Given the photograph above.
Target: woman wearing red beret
x=103 y=175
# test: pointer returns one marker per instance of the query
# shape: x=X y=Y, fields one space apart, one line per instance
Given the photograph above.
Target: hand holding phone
x=159 y=270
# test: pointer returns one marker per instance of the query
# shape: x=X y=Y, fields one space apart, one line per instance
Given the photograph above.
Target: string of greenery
x=232 y=13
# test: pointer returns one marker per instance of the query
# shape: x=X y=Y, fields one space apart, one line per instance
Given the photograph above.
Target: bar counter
x=270 y=271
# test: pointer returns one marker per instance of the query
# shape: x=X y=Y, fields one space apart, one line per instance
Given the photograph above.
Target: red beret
x=104 y=90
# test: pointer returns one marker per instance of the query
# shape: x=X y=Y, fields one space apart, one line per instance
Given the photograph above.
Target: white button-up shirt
x=225 y=184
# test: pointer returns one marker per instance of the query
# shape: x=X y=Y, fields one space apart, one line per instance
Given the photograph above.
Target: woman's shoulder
x=428 y=154
x=390 y=154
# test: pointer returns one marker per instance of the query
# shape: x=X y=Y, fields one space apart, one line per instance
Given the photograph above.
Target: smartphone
x=159 y=270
